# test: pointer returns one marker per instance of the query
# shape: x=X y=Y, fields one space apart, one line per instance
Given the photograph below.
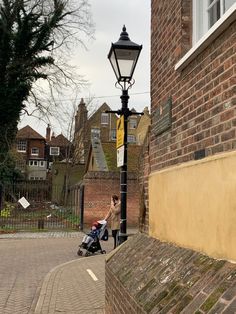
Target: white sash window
x=206 y=13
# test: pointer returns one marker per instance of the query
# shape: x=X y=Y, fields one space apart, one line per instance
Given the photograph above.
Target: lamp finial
x=124 y=35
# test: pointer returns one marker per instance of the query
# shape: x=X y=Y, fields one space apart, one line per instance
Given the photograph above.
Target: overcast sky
x=109 y=17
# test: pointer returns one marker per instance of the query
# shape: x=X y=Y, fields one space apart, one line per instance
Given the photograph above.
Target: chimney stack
x=48 y=133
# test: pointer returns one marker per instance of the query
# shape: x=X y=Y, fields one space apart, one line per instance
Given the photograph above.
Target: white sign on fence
x=23 y=201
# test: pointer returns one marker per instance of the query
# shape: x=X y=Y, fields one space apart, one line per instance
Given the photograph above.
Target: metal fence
x=48 y=209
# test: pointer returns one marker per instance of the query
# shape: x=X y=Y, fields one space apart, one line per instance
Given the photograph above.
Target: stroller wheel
x=87 y=253
x=103 y=252
x=80 y=253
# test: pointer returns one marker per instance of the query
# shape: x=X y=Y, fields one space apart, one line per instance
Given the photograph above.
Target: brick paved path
x=25 y=261
x=76 y=287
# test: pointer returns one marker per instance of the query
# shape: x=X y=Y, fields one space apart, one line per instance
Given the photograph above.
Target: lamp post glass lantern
x=123 y=57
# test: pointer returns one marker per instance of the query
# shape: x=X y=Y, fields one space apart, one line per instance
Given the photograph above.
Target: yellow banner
x=120 y=132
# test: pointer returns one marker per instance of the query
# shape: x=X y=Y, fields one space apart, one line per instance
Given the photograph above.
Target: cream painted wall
x=194 y=205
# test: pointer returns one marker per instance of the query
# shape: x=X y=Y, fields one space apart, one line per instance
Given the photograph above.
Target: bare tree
x=36 y=37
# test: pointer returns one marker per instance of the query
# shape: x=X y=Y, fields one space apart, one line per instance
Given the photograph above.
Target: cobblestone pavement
x=26 y=258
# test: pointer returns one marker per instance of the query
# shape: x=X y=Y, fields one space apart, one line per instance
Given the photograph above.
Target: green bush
x=6 y=211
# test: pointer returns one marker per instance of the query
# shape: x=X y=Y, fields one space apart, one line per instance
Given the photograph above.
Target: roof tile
x=28 y=133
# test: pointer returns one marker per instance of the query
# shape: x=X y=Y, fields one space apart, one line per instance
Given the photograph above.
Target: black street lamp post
x=123 y=57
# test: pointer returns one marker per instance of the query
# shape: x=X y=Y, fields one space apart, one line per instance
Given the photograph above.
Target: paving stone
x=26 y=258
x=218 y=308
x=230 y=293
x=231 y=309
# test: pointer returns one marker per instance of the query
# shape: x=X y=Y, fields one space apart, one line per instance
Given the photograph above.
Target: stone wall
x=148 y=276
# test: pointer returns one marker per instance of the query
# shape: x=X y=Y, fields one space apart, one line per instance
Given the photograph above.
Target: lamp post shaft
x=124 y=50
x=123 y=170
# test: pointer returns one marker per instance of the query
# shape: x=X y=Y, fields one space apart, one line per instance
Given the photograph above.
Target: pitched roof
x=59 y=141
x=102 y=108
x=28 y=133
x=110 y=153
x=99 y=155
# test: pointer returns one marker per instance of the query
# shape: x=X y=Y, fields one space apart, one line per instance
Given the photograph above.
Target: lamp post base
x=122 y=237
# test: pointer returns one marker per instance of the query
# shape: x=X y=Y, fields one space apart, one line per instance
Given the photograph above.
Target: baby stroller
x=91 y=242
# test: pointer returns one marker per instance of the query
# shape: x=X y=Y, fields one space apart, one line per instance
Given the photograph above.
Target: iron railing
x=48 y=209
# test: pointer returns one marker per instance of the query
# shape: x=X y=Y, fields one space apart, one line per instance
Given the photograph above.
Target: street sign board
x=120 y=156
x=120 y=132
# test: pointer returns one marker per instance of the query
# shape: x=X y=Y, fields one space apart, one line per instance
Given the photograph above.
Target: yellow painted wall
x=194 y=205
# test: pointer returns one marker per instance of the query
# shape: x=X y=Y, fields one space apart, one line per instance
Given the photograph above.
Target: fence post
x=81 y=206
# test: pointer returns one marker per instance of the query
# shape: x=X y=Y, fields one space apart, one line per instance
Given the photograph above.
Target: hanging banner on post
x=120 y=132
x=120 y=156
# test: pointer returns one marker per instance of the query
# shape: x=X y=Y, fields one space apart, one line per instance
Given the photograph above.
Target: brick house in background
x=31 y=146
x=188 y=170
x=95 y=145
x=38 y=153
x=102 y=125
x=58 y=147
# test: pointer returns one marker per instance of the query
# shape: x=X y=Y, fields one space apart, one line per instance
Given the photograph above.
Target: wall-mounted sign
x=162 y=118
x=120 y=132
x=120 y=156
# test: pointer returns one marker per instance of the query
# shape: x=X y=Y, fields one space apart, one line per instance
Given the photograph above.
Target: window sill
x=208 y=38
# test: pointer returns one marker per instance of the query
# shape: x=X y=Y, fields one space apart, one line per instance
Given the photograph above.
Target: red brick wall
x=40 y=144
x=98 y=188
x=203 y=94
x=143 y=182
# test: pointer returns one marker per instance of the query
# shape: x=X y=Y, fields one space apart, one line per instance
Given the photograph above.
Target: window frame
x=33 y=163
x=201 y=16
x=95 y=133
x=104 y=115
x=223 y=23
x=54 y=147
x=34 y=154
x=40 y=163
x=131 y=136
x=25 y=144
x=134 y=119
x=113 y=134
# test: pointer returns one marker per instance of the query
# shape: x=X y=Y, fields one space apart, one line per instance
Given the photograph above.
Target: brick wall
x=99 y=186
x=143 y=183
x=203 y=94
x=36 y=143
x=149 y=276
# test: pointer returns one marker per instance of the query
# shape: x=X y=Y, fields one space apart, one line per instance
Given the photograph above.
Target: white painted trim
x=206 y=40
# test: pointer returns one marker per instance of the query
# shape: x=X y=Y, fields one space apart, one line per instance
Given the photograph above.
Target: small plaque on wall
x=162 y=118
